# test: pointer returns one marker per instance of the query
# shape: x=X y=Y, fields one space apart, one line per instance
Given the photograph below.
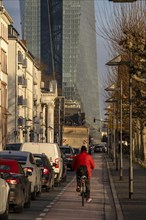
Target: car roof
x=65 y=146
x=40 y=155
x=13 y=152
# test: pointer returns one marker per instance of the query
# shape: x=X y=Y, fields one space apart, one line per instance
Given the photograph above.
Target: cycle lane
x=68 y=204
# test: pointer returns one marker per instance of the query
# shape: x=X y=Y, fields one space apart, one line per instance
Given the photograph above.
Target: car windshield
x=13 y=146
x=21 y=159
x=66 y=150
x=38 y=160
x=76 y=150
x=98 y=146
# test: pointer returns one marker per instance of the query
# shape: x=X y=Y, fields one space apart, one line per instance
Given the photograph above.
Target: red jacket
x=83 y=159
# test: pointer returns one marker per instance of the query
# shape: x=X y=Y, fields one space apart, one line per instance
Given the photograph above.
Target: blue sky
x=12 y=7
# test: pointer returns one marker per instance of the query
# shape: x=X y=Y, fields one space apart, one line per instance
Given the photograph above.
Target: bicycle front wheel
x=83 y=198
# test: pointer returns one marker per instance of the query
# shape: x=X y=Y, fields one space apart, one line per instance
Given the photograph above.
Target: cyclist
x=84 y=160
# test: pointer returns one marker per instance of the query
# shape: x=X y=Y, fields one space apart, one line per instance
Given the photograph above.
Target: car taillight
x=70 y=156
x=56 y=163
x=12 y=181
x=46 y=171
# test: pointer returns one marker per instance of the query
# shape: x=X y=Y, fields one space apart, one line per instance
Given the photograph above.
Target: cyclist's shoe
x=78 y=189
x=88 y=200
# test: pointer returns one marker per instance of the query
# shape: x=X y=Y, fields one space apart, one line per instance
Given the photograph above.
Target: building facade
x=31 y=106
x=5 y=21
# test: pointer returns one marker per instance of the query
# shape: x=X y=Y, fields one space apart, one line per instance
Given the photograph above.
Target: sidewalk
x=135 y=208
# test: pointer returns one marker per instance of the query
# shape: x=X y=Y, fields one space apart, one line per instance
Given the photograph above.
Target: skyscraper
x=42 y=30
x=61 y=34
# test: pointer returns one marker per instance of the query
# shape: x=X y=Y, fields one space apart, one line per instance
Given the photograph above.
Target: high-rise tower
x=42 y=29
x=61 y=34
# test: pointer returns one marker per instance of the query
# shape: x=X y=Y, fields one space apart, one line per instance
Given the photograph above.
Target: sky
x=12 y=6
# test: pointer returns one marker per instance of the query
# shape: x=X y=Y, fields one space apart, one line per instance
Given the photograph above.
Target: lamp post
x=109 y=132
x=115 y=122
x=121 y=125
x=130 y=133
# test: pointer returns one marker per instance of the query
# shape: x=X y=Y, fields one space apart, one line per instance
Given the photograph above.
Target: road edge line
x=119 y=212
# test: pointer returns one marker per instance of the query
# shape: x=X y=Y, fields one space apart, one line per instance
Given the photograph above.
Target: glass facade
x=71 y=27
x=42 y=30
x=80 y=75
x=31 y=29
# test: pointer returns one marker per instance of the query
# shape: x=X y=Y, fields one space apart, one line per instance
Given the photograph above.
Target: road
x=64 y=203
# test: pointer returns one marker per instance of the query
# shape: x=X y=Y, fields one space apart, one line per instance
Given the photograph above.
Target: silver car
x=4 y=197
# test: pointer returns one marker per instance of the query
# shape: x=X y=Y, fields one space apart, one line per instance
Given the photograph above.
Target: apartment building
x=23 y=100
x=30 y=104
x=5 y=20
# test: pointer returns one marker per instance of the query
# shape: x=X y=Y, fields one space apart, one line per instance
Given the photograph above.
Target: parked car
x=53 y=153
x=4 y=197
x=48 y=174
x=26 y=159
x=70 y=154
x=13 y=146
x=20 y=186
x=98 y=148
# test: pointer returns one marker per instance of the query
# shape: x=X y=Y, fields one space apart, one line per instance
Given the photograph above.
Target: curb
x=119 y=212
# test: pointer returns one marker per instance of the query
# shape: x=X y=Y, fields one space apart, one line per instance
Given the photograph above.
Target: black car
x=44 y=164
x=20 y=187
x=76 y=150
x=98 y=148
x=69 y=153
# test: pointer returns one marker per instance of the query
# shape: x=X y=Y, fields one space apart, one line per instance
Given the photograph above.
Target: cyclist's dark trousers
x=87 y=185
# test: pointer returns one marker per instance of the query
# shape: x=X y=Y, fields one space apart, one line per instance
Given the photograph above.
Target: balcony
x=22 y=81
x=24 y=63
x=21 y=122
x=20 y=57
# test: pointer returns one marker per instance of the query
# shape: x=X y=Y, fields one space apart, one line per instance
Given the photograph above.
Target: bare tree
x=124 y=27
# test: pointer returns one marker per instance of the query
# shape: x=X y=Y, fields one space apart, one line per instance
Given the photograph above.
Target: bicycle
x=83 y=189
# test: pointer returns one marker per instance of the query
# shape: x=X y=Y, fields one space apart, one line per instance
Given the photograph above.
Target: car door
x=37 y=171
x=25 y=181
x=3 y=195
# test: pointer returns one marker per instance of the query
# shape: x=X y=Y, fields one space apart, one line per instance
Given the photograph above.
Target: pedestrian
x=86 y=162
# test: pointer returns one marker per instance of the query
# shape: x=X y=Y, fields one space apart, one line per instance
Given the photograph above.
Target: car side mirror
x=54 y=164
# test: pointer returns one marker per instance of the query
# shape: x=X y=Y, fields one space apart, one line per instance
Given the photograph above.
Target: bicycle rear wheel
x=83 y=193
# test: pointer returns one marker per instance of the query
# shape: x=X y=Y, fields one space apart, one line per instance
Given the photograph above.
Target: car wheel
x=47 y=188
x=40 y=191
x=34 y=194
x=6 y=213
x=18 y=208
x=28 y=203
